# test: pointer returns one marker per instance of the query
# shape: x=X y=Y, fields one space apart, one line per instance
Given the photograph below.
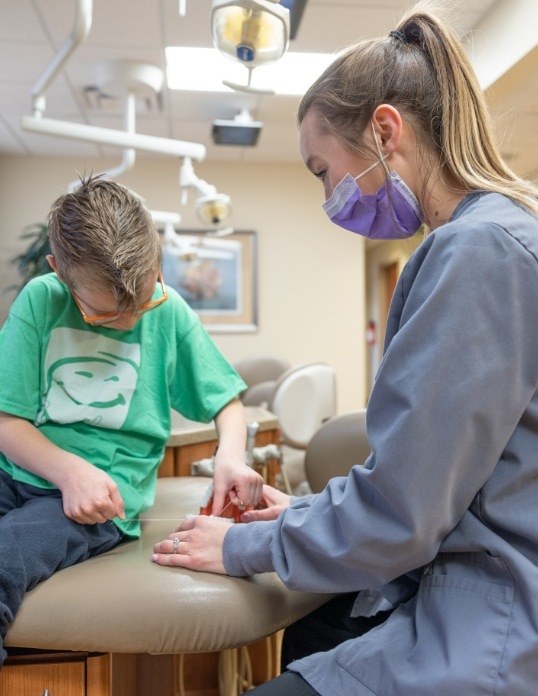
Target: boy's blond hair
x=102 y=236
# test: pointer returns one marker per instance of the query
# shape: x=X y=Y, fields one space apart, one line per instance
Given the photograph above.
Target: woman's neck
x=440 y=207
x=440 y=198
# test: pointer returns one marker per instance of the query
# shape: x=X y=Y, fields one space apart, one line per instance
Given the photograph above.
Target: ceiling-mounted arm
x=169 y=221
x=129 y=155
x=212 y=207
x=127 y=163
x=81 y=29
x=109 y=136
x=78 y=131
x=189 y=179
x=176 y=245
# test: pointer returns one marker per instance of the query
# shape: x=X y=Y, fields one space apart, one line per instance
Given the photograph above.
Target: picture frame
x=216 y=274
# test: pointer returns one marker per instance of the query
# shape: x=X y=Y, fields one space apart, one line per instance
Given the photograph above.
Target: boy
x=94 y=356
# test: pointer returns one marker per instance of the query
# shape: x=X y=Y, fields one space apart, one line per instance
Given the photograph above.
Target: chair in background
x=335 y=448
x=260 y=373
x=303 y=398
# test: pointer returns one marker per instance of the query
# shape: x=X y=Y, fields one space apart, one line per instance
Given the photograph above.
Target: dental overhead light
x=212 y=207
x=189 y=247
x=254 y=32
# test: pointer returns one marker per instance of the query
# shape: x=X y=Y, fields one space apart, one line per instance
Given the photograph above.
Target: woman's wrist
x=246 y=549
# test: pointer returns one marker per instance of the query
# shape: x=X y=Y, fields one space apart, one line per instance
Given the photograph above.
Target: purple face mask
x=391 y=213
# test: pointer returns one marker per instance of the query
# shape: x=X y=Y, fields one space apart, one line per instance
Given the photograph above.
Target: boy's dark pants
x=37 y=539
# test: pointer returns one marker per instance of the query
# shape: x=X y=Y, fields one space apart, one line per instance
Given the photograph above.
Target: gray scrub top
x=446 y=506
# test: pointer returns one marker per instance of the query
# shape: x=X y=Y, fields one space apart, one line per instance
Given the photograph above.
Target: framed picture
x=216 y=275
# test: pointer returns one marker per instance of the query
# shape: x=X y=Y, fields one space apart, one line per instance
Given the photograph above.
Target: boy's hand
x=273 y=500
x=233 y=477
x=198 y=546
x=90 y=496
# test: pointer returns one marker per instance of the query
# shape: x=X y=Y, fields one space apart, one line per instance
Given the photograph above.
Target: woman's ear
x=388 y=127
x=52 y=262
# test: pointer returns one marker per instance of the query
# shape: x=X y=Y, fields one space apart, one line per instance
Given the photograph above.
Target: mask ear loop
x=372 y=166
x=382 y=157
x=385 y=168
x=381 y=162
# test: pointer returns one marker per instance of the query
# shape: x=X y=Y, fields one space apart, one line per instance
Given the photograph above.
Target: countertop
x=187 y=432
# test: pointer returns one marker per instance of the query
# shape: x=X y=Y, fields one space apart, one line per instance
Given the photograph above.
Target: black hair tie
x=398 y=35
x=413 y=34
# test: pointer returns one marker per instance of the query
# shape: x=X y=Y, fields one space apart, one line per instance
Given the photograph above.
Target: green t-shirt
x=106 y=395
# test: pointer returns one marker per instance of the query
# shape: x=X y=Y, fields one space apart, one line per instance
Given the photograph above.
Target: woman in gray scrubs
x=438 y=530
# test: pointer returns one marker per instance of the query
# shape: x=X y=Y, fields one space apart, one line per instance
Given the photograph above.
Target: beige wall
x=310 y=273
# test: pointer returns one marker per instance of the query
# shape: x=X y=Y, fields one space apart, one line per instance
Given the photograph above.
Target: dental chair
x=303 y=398
x=142 y=618
x=260 y=373
x=335 y=448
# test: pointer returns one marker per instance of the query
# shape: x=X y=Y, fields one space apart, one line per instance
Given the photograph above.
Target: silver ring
x=175 y=545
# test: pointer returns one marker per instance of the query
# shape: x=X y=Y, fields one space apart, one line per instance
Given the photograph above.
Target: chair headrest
x=303 y=399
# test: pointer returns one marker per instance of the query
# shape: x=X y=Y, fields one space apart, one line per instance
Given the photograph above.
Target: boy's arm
x=89 y=494
x=232 y=475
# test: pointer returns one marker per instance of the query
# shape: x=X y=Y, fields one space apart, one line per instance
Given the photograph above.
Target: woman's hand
x=196 y=544
x=273 y=502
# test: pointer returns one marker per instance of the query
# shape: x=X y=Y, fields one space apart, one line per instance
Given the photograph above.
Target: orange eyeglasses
x=108 y=317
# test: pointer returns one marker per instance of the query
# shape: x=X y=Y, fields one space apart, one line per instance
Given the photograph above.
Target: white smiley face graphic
x=89 y=386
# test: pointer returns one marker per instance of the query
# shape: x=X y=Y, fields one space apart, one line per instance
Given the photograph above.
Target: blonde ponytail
x=470 y=152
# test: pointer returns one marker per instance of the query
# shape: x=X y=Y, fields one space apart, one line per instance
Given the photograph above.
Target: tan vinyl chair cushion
x=335 y=448
x=258 y=394
x=122 y=602
x=260 y=368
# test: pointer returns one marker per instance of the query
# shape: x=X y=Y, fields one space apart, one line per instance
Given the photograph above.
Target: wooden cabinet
x=67 y=679
x=200 y=674
x=31 y=673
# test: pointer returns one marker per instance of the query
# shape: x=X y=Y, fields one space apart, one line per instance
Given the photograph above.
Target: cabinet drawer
x=60 y=678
